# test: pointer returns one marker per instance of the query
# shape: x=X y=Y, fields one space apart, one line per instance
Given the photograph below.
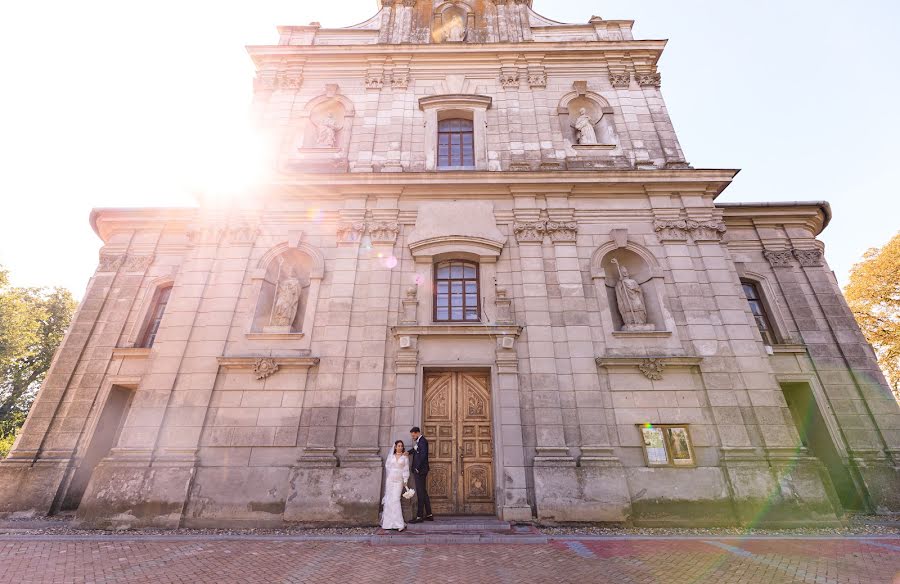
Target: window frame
x=769 y=337
x=463 y=149
x=161 y=298
x=435 y=293
x=670 y=461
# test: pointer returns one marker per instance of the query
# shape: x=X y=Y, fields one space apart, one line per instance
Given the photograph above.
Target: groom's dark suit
x=419 y=467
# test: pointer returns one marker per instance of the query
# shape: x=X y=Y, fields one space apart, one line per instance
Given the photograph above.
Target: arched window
x=760 y=315
x=456 y=292
x=456 y=143
x=156 y=316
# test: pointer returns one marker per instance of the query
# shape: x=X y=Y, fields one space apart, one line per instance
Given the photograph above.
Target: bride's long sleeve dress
x=397 y=472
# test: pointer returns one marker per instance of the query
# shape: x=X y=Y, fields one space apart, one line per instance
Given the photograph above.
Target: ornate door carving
x=458 y=427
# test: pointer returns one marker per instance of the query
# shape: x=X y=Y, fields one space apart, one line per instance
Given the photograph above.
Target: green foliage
x=874 y=297
x=33 y=322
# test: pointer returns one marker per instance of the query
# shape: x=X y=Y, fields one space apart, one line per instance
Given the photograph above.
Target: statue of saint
x=584 y=129
x=630 y=300
x=456 y=32
x=287 y=300
x=326 y=137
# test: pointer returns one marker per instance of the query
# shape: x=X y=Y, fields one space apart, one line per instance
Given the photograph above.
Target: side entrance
x=457 y=423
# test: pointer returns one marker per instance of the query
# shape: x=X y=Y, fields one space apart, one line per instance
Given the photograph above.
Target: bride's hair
x=402 y=445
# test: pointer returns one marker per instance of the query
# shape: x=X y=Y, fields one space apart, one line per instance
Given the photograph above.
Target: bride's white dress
x=397 y=472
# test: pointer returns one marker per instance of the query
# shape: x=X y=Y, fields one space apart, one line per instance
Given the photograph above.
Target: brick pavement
x=248 y=560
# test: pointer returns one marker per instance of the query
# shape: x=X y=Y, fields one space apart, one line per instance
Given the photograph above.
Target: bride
x=397 y=470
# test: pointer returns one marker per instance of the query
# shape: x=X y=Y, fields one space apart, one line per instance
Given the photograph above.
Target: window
x=456 y=292
x=456 y=143
x=667 y=445
x=751 y=291
x=156 y=315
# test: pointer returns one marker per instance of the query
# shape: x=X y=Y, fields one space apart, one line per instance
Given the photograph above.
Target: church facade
x=481 y=223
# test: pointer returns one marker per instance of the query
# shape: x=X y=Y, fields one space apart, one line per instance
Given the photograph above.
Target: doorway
x=106 y=434
x=814 y=435
x=457 y=423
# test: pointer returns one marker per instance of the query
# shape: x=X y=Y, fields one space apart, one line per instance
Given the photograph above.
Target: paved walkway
x=250 y=560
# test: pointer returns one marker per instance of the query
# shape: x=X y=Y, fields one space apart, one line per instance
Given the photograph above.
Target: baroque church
x=481 y=222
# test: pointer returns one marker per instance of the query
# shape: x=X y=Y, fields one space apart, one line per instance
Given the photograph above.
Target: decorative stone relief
x=379 y=231
x=351 y=232
x=110 y=263
x=206 y=234
x=137 y=263
x=538 y=79
x=779 y=258
x=410 y=306
x=265 y=367
x=652 y=369
x=682 y=229
x=530 y=232
x=620 y=80
x=649 y=79
x=400 y=81
x=285 y=80
x=509 y=80
x=242 y=233
x=562 y=231
x=809 y=257
x=534 y=231
x=504 y=306
x=374 y=81
x=383 y=231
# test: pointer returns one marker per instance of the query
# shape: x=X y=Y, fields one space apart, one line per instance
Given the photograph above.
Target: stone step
x=458 y=525
x=408 y=538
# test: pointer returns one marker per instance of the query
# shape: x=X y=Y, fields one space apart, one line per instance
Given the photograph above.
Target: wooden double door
x=457 y=423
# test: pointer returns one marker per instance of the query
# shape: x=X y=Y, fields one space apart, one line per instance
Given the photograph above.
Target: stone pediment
x=456 y=228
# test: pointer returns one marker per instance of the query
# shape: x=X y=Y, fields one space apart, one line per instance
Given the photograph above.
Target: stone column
x=553 y=465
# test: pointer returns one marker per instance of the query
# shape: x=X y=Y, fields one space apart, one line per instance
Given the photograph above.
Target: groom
x=419 y=465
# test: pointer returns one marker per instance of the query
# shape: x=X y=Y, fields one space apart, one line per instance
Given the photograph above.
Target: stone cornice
x=105 y=221
x=262 y=54
x=456 y=330
x=813 y=215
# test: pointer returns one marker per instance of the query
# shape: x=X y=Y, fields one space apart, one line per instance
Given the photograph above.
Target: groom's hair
x=415 y=430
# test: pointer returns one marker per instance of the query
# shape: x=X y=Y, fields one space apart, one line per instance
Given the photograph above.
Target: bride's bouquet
x=409 y=493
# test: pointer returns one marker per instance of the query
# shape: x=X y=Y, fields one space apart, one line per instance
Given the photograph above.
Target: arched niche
x=288 y=279
x=608 y=266
x=597 y=109
x=327 y=123
x=453 y=22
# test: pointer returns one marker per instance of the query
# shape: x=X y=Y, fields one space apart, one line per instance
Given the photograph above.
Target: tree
x=33 y=322
x=874 y=297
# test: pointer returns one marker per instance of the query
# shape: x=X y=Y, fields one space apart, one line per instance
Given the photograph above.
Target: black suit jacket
x=419 y=458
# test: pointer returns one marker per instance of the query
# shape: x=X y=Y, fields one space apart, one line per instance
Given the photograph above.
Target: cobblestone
x=251 y=560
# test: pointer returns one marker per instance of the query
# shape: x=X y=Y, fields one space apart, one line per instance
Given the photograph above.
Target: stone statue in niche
x=456 y=30
x=630 y=301
x=287 y=301
x=327 y=131
x=584 y=129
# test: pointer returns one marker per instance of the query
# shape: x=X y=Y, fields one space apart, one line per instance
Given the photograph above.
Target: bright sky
x=112 y=103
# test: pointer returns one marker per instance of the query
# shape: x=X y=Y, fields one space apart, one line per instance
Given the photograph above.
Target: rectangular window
x=667 y=445
x=758 y=308
x=156 y=316
x=456 y=292
x=456 y=143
